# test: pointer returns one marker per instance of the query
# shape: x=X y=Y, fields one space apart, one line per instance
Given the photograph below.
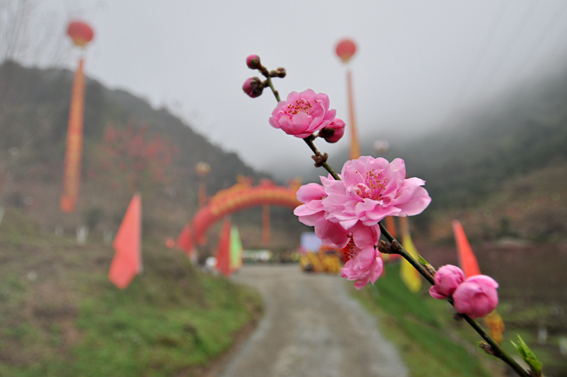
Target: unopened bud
x=486 y=348
x=253 y=87
x=253 y=61
x=383 y=247
x=280 y=72
x=396 y=247
x=326 y=133
x=334 y=131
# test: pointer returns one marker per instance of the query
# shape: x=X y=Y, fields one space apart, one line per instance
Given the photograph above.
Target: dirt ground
x=311 y=327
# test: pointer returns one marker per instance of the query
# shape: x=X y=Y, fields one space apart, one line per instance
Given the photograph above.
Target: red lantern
x=80 y=32
x=345 y=49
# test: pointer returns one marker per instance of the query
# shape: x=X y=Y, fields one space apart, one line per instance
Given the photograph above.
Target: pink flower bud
x=477 y=296
x=253 y=61
x=334 y=131
x=253 y=87
x=447 y=279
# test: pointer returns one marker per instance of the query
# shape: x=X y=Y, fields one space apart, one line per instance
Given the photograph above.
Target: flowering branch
x=495 y=348
x=346 y=211
x=271 y=85
x=329 y=127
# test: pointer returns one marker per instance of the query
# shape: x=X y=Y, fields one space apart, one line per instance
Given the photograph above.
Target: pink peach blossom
x=447 y=279
x=346 y=212
x=363 y=262
x=302 y=114
x=312 y=210
x=311 y=213
x=363 y=266
x=477 y=296
x=371 y=189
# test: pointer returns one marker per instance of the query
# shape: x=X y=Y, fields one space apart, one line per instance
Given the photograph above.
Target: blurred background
x=472 y=95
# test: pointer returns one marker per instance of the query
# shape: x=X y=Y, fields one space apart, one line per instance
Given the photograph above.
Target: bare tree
x=31 y=35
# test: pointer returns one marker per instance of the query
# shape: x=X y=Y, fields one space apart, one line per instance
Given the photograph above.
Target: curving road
x=311 y=327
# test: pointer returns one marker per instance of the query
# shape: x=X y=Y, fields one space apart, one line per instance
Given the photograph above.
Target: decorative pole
x=82 y=34
x=202 y=169
x=265 y=225
x=345 y=50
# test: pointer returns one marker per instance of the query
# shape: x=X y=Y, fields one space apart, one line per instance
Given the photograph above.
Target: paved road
x=311 y=328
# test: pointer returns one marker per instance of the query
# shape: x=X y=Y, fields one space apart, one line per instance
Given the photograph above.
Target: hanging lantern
x=345 y=49
x=80 y=32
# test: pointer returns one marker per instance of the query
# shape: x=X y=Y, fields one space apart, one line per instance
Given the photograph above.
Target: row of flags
x=127 y=260
x=229 y=250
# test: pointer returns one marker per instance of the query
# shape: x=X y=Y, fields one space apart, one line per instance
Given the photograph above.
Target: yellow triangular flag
x=236 y=250
x=410 y=276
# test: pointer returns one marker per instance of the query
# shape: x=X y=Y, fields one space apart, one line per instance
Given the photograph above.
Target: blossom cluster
x=475 y=296
x=346 y=212
x=346 y=209
x=301 y=114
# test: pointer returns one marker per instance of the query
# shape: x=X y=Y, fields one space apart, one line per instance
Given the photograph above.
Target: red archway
x=240 y=196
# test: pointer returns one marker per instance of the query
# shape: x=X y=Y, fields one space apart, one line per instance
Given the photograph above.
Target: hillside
x=502 y=167
x=516 y=136
x=25 y=91
x=60 y=316
x=129 y=146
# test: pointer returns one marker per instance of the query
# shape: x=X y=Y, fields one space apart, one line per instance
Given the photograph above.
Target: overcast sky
x=418 y=62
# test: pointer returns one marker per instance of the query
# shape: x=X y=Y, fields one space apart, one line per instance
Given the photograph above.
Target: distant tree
x=131 y=159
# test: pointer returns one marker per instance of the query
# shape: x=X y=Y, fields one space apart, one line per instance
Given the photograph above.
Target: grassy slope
x=430 y=342
x=71 y=321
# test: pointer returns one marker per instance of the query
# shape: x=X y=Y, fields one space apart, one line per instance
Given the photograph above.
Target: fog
x=420 y=66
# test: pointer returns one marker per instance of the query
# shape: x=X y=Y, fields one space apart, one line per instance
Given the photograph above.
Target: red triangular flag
x=467 y=260
x=127 y=261
x=223 y=251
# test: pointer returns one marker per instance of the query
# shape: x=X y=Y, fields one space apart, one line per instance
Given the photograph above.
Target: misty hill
x=516 y=136
x=32 y=96
x=507 y=162
x=507 y=159
x=129 y=146
x=510 y=137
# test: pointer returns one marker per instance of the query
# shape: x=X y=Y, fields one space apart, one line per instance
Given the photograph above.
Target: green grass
x=430 y=342
x=71 y=321
x=525 y=321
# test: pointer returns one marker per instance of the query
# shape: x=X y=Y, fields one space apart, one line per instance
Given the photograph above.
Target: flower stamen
x=350 y=251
